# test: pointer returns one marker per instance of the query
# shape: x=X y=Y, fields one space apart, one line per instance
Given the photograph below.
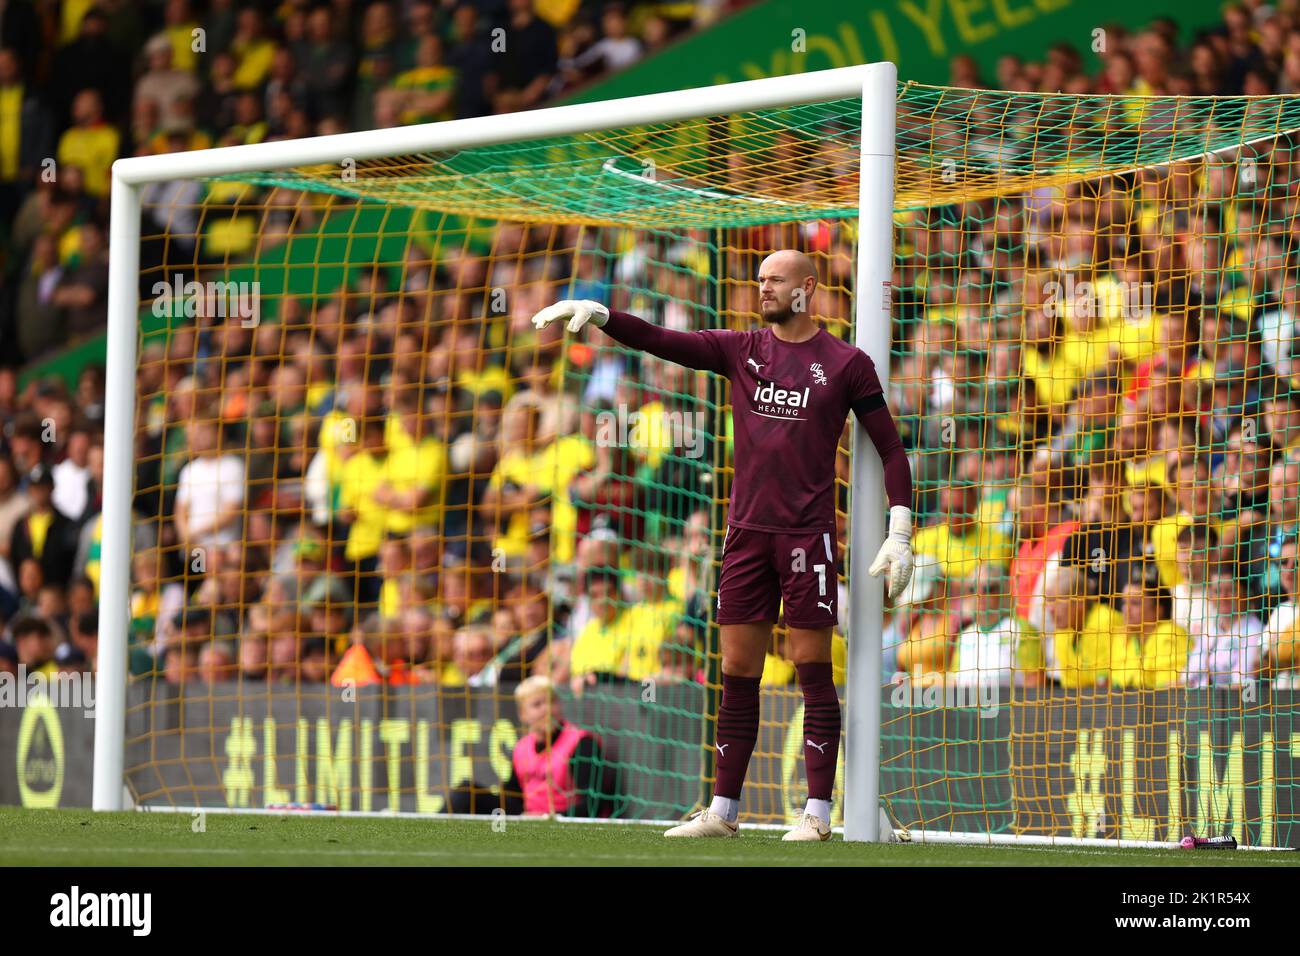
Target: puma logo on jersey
x=722 y=748
x=821 y=748
x=757 y=367
x=829 y=609
x=819 y=374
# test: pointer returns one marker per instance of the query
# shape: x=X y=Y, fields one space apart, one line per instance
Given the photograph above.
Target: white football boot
x=811 y=827
x=704 y=823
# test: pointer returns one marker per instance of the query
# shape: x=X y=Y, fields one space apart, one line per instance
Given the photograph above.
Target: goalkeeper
x=793 y=384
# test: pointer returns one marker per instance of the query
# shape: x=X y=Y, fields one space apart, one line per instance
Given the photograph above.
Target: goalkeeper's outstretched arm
x=895 y=555
x=692 y=349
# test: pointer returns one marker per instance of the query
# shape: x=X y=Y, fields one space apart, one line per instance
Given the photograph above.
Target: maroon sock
x=737 y=733
x=821 y=728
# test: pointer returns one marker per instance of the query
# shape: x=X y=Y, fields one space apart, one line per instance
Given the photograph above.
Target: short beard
x=780 y=317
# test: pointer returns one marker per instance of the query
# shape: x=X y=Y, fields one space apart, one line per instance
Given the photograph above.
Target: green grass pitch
x=82 y=838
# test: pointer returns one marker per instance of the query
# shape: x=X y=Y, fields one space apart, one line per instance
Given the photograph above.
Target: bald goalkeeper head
x=786 y=281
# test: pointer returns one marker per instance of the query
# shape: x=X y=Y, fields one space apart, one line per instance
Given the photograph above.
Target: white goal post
x=876 y=84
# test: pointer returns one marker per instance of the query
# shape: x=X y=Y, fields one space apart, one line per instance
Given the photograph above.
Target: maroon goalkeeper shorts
x=762 y=569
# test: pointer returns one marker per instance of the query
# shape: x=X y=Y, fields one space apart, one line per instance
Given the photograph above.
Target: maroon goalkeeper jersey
x=789 y=402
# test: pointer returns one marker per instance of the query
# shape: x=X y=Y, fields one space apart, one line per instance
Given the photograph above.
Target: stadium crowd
x=393 y=482
x=84 y=82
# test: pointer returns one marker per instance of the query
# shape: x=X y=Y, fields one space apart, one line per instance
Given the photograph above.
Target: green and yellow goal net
x=370 y=497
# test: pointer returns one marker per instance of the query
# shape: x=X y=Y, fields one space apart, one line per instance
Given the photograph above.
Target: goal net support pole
x=119 y=474
x=867 y=524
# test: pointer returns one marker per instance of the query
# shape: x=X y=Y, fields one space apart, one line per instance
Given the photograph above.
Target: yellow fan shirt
x=960 y=555
x=1153 y=662
x=1083 y=657
x=359 y=477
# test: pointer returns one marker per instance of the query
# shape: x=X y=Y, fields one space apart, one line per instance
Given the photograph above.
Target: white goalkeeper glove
x=895 y=555
x=578 y=312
